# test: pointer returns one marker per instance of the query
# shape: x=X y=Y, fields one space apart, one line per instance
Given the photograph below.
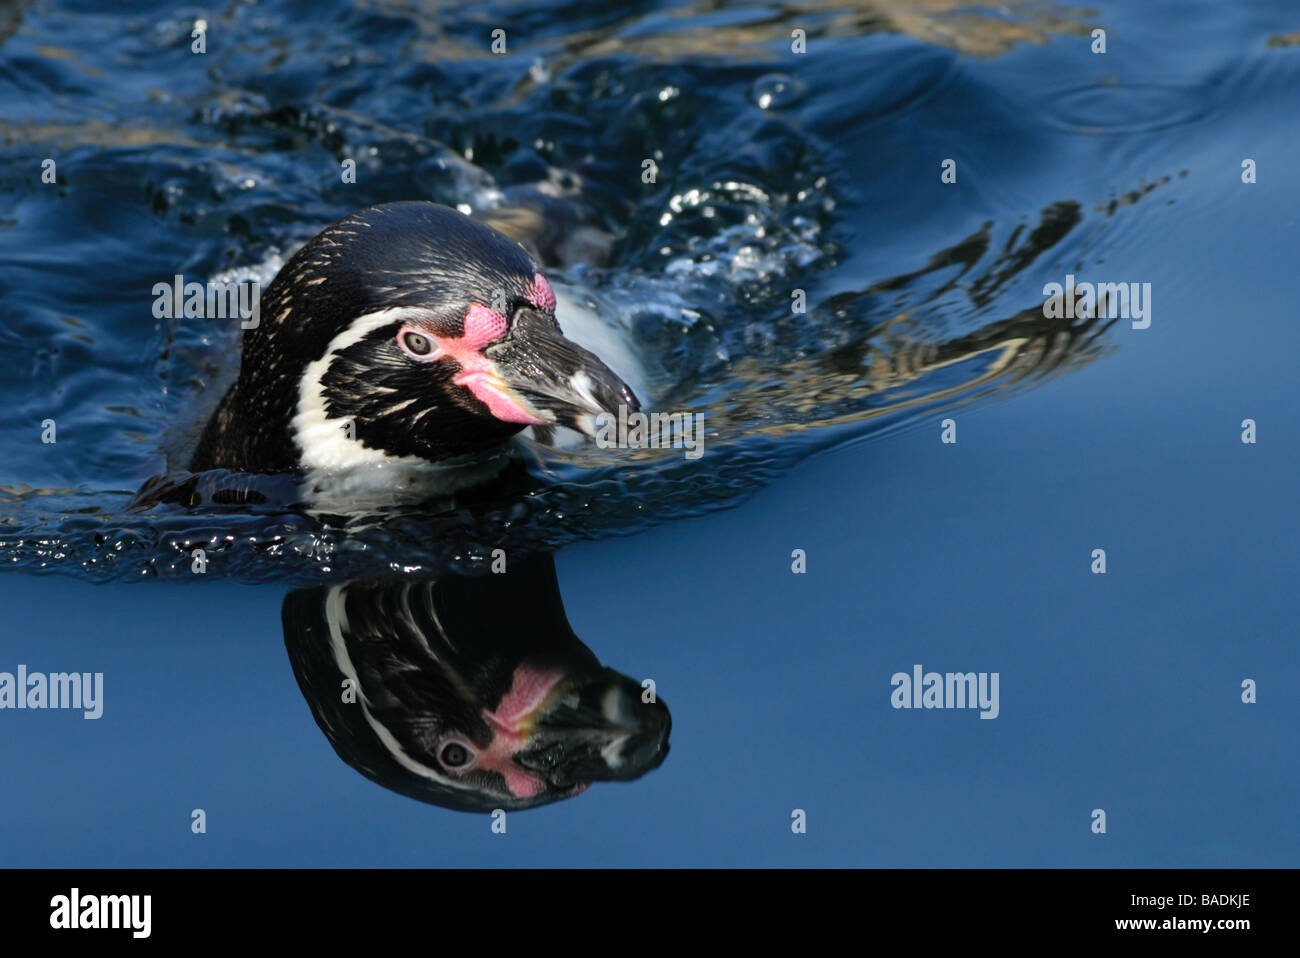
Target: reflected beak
x=593 y=728
x=557 y=379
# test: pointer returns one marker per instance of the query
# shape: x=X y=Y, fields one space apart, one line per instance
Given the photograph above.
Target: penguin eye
x=454 y=755
x=416 y=344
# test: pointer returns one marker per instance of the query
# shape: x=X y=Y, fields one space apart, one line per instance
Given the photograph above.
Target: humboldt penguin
x=402 y=336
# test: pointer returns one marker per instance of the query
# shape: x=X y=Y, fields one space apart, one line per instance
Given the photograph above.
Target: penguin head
x=421 y=332
x=554 y=726
x=470 y=693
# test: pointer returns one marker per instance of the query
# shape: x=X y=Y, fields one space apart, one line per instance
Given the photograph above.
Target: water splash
x=696 y=273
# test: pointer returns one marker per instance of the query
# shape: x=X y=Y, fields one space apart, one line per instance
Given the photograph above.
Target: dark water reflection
x=469 y=692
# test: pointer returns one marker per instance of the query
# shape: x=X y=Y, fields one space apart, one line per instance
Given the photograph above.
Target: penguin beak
x=594 y=728
x=563 y=382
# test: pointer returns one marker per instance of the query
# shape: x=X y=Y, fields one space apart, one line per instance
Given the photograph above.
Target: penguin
x=468 y=692
x=404 y=336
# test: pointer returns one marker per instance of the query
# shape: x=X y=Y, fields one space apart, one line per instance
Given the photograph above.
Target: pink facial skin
x=509 y=723
x=541 y=295
x=478 y=374
x=531 y=685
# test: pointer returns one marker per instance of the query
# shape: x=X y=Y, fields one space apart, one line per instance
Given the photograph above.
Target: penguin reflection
x=468 y=692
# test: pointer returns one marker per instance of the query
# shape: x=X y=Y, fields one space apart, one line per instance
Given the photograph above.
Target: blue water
x=1119 y=691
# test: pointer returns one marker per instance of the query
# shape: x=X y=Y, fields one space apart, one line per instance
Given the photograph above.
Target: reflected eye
x=454 y=755
x=417 y=344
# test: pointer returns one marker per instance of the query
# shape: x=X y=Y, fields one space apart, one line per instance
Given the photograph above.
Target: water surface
x=777 y=171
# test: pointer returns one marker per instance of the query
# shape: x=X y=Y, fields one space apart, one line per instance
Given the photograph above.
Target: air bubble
x=776 y=91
